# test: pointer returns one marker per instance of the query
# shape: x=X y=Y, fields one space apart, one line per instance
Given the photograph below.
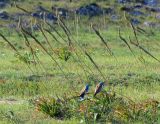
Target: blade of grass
x=54 y=29
x=13 y=47
x=144 y=50
x=102 y=40
x=20 y=8
x=90 y=58
x=81 y=62
x=41 y=30
x=68 y=34
x=53 y=36
x=37 y=41
x=66 y=31
x=134 y=31
x=32 y=51
x=125 y=41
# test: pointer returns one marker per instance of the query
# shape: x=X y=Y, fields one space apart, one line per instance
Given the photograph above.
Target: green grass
x=125 y=73
x=25 y=113
x=132 y=78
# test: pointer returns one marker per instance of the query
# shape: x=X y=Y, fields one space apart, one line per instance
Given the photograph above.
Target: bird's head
x=101 y=84
x=87 y=87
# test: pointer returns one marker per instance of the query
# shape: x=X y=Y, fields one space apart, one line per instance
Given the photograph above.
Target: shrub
x=103 y=108
x=53 y=107
x=64 y=53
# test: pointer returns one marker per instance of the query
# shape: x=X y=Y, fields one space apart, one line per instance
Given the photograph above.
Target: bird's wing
x=82 y=91
x=96 y=89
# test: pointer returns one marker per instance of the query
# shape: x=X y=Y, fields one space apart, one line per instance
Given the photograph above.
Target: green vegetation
x=43 y=71
x=103 y=108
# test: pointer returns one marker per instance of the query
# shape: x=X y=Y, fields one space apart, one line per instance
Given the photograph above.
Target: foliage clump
x=64 y=53
x=53 y=107
x=105 y=107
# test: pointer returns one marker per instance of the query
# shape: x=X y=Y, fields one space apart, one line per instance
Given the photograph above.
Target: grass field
x=24 y=78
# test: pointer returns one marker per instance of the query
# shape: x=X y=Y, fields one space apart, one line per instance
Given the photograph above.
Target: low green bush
x=103 y=108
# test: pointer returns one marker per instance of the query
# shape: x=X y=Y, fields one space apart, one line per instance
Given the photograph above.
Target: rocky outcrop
x=4 y=15
x=61 y=11
x=93 y=10
x=43 y=13
x=2 y=4
x=144 y=2
x=90 y=10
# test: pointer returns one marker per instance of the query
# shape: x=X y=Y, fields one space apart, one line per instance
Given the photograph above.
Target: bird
x=84 y=91
x=98 y=88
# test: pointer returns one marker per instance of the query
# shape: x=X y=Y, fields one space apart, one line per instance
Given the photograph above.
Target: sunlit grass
x=135 y=76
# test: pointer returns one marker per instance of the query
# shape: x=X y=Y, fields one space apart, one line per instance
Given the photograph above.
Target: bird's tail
x=94 y=94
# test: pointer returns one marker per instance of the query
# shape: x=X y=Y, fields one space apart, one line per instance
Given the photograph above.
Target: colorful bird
x=84 y=91
x=98 y=88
